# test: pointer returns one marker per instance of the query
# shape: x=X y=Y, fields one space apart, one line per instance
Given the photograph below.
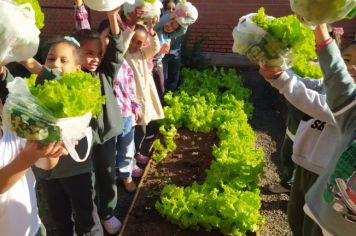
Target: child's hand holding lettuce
x=59 y=109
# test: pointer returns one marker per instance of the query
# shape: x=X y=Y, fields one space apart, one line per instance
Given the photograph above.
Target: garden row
x=229 y=198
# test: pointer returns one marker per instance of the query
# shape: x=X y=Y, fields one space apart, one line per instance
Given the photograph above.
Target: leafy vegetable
x=326 y=11
x=229 y=198
x=74 y=94
x=38 y=12
x=28 y=119
x=294 y=35
x=150 y=1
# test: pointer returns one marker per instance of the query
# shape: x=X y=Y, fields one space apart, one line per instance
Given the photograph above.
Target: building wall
x=216 y=20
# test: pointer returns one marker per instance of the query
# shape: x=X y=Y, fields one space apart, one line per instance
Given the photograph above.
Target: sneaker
x=141 y=158
x=112 y=225
x=137 y=171
x=130 y=185
x=277 y=188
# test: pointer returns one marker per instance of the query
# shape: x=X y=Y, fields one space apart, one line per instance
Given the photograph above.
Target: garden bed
x=186 y=165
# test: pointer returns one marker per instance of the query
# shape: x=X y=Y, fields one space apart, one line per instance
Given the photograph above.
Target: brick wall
x=216 y=20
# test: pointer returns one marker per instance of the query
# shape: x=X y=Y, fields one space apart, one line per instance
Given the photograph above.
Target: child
x=166 y=29
x=146 y=91
x=327 y=202
x=312 y=152
x=172 y=60
x=19 y=212
x=108 y=126
x=124 y=90
x=315 y=140
x=294 y=117
x=68 y=188
x=124 y=87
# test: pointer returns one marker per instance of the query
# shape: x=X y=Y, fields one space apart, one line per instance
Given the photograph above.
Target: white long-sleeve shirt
x=316 y=139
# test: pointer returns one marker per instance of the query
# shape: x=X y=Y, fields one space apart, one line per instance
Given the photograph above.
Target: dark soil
x=186 y=165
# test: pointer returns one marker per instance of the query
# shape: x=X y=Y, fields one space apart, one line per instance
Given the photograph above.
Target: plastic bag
x=106 y=5
x=258 y=45
x=19 y=36
x=191 y=11
x=23 y=115
x=323 y=11
x=151 y=10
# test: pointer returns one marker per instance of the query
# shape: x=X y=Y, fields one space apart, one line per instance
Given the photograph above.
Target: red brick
x=215 y=23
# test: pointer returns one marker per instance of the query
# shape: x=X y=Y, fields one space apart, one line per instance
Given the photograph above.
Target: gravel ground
x=268 y=124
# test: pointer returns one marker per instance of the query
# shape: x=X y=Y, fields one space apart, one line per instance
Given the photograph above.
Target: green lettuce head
x=38 y=11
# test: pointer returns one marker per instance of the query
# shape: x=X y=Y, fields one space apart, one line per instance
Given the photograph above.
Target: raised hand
x=270 y=72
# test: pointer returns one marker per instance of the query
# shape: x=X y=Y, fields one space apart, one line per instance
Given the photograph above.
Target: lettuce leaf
x=71 y=95
x=38 y=12
x=295 y=36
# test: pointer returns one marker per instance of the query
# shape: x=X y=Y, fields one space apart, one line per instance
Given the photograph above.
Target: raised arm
x=113 y=57
x=168 y=17
x=295 y=91
x=340 y=87
x=155 y=45
x=81 y=15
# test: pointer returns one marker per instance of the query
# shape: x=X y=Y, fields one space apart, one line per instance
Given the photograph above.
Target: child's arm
x=155 y=44
x=181 y=31
x=113 y=57
x=114 y=25
x=12 y=172
x=294 y=90
x=32 y=65
x=81 y=16
x=168 y=17
x=340 y=87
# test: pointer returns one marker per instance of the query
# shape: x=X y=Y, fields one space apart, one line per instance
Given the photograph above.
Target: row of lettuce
x=229 y=199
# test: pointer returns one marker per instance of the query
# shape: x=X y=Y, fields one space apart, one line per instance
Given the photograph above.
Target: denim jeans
x=125 y=149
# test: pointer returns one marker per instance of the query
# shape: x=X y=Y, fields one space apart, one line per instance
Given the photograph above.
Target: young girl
x=107 y=127
x=17 y=182
x=124 y=87
x=69 y=187
x=146 y=91
x=172 y=59
x=167 y=29
x=124 y=90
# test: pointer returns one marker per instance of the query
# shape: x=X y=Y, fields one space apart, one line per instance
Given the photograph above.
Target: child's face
x=171 y=26
x=137 y=41
x=171 y=6
x=349 y=55
x=91 y=54
x=61 y=57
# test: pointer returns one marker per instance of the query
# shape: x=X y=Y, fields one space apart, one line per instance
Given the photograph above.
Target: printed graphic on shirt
x=318 y=124
x=341 y=188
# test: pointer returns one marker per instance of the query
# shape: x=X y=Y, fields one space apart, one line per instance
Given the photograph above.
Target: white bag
x=192 y=14
x=323 y=11
x=106 y=5
x=151 y=10
x=25 y=117
x=19 y=36
x=259 y=46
